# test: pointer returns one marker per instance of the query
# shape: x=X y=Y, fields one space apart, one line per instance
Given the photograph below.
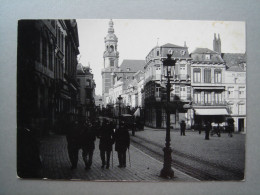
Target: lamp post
x=167 y=171
x=119 y=105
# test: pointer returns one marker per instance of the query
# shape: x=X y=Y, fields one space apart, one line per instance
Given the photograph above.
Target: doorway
x=241 y=125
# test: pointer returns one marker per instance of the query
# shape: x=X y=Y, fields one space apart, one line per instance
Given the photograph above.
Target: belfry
x=110 y=56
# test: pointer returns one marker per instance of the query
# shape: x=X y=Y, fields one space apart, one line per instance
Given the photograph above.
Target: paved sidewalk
x=56 y=165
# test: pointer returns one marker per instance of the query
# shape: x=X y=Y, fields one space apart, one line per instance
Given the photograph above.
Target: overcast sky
x=137 y=37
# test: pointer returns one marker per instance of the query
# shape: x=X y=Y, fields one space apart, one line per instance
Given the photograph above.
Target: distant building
x=46 y=73
x=208 y=86
x=155 y=89
x=86 y=92
x=235 y=81
x=98 y=100
x=219 y=86
x=126 y=81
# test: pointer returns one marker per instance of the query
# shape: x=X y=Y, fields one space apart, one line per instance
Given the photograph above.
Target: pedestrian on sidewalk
x=207 y=129
x=88 y=144
x=122 y=143
x=73 y=138
x=96 y=126
x=183 y=127
x=106 y=137
x=230 y=127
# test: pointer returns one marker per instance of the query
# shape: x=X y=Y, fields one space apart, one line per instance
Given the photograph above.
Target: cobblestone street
x=217 y=156
x=56 y=165
x=221 y=151
x=224 y=150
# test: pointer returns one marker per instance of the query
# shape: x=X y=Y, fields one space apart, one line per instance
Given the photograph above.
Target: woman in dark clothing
x=122 y=140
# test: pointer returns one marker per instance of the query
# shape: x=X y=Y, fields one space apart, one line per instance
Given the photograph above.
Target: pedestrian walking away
x=207 y=130
x=230 y=127
x=122 y=143
x=88 y=144
x=106 y=136
x=73 y=138
x=183 y=127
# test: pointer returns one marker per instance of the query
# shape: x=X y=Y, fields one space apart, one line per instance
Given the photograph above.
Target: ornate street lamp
x=119 y=105
x=167 y=171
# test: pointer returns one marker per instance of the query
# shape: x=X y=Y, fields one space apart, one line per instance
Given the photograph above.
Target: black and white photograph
x=150 y=100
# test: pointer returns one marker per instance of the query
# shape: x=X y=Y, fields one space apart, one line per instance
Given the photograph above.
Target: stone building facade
x=208 y=86
x=235 y=82
x=46 y=73
x=155 y=89
x=86 y=91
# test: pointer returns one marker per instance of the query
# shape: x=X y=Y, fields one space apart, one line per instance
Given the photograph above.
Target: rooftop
x=203 y=51
x=234 y=59
x=198 y=55
x=132 y=65
x=171 y=45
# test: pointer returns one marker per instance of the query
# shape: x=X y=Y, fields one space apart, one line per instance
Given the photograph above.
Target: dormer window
x=183 y=52
x=170 y=51
x=207 y=56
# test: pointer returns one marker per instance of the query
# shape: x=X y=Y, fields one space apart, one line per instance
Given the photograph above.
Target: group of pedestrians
x=82 y=134
x=207 y=127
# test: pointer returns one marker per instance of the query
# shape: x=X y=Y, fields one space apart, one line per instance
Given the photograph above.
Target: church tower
x=110 y=56
x=217 y=44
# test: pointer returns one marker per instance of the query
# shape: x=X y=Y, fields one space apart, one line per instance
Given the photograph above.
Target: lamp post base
x=167 y=171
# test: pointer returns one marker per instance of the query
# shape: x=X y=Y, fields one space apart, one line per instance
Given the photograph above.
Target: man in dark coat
x=73 y=139
x=106 y=137
x=88 y=144
x=122 y=140
x=207 y=130
x=183 y=127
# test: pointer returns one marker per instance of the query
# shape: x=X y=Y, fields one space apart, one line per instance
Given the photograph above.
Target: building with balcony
x=46 y=73
x=155 y=89
x=86 y=91
x=235 y=82
x=208 y=86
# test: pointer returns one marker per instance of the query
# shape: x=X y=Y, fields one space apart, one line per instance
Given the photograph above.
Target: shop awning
x=211 y=111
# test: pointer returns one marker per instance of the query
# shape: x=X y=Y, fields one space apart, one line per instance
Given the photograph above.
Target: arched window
x=111 y=48
x=158 y=52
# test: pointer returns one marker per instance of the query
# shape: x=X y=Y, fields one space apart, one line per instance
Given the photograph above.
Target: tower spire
x=217 y=43
x=111 y=27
